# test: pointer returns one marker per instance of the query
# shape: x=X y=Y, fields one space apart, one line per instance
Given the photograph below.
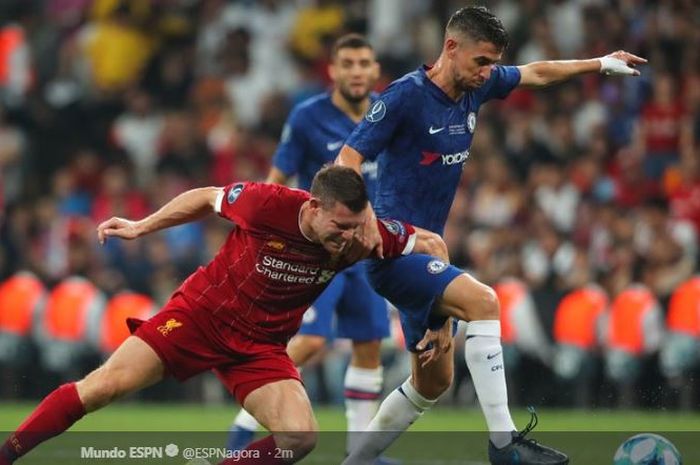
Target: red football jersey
x=267 y=273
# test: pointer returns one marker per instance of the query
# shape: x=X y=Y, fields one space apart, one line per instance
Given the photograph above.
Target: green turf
x=191 y=417
x=447 y=435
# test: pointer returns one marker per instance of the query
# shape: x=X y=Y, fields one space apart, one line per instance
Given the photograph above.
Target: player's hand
x=441 y=340
x=117 y=227
x=366 y=241
x=356 y=249
x=620 y=63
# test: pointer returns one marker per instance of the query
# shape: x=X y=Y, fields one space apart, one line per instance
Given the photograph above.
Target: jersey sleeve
x=292 y=145
x=378 y=126
x=398 y=238
x=242 y=202
x=502 y=81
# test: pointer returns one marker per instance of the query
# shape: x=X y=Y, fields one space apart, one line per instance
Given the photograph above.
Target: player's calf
x=55 y=414
x=434 y=380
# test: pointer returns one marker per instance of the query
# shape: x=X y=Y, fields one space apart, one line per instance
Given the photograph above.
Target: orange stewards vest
x=125 y=305
x=20 y=295
x=576 y=317
x=626 y=316
x=67 y=309
x=511 y=293
x=11 y=37
x=684 y=308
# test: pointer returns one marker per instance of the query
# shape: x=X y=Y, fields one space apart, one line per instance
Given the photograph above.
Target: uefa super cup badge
x=376 y=112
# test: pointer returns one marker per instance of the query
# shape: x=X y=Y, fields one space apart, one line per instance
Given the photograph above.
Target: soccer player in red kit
x=235 y=315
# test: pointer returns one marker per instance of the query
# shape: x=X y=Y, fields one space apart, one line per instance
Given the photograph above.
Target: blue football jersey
x=313 y=135
x=420 y=138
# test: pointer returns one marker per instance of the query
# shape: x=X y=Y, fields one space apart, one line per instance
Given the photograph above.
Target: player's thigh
x=433 y=380
x=362 y=314
x=282 y=406
x=133 y=366
x=413 y=284
x=467 y=298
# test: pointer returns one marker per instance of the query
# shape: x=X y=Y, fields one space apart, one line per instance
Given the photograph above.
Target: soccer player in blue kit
x=315 y=131
x=420 y=130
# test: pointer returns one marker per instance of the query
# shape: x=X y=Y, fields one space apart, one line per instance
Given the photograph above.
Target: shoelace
x=529 y=427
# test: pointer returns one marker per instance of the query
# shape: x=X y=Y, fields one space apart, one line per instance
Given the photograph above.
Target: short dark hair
x=352 y=40
x=480 y=24
x=334 y=183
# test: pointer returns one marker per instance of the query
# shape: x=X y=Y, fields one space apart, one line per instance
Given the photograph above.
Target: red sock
x=262 y=452
x=55 y=414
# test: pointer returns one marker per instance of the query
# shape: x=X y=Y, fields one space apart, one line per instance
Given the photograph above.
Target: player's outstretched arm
x=188 y=206
x=545 y=73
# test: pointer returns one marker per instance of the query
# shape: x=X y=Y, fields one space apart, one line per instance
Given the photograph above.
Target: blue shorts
x=361 y=314
x=412 y=283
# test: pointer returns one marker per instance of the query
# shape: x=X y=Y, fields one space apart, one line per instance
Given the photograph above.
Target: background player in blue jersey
x=315 y=131
x=420 y=131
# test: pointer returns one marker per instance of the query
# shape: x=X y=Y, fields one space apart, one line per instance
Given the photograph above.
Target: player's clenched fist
x=117 y=227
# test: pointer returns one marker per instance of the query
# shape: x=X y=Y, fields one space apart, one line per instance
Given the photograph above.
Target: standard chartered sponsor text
x=288 y=272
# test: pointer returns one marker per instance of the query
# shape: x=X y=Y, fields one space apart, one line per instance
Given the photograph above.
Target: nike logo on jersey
x=333 y=146
x=432 y=130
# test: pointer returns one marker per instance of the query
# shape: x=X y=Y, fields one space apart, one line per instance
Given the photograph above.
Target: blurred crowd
x=112 y=107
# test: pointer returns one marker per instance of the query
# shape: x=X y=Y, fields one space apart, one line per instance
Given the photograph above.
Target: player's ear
x=451 y=45
x=314 y=204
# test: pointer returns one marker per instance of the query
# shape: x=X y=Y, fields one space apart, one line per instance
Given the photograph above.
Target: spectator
x=663 y=126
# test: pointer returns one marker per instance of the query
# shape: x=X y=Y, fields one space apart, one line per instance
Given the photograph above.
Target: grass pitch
x=446 y=435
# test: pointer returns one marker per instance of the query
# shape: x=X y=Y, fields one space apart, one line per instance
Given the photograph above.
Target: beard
x=464 y=84
x=347 y=95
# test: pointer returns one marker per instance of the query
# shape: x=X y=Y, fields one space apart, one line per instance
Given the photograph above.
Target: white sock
x=484 y=356
x=398 y=411
x=246 y=421
x=363 y=386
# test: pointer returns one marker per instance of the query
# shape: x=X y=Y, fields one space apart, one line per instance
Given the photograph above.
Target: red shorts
x=190 y=341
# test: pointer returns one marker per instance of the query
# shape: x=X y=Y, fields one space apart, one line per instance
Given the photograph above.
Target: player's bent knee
x=299 y=443
x=491 y=307
x=482 y=305
x=315 y=344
